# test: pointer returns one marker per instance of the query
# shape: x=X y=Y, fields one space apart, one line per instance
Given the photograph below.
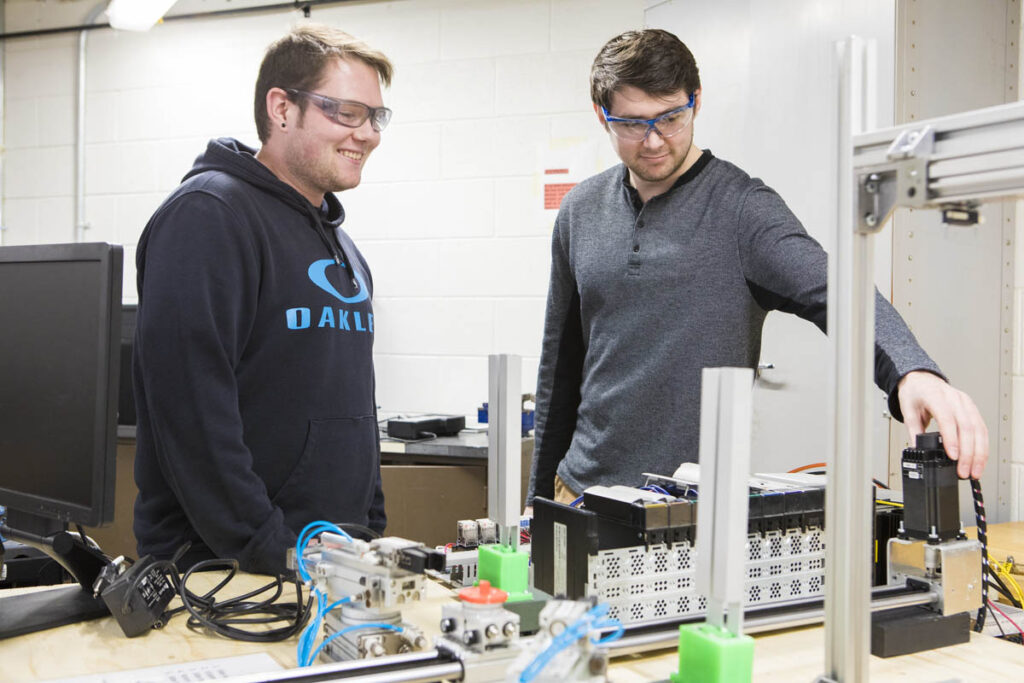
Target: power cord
x=225 y=617
x=147 y=590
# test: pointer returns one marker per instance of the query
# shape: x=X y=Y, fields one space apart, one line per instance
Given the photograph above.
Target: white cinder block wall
x=487 y=94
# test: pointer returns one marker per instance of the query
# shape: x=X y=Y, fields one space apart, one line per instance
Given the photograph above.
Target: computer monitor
x=60 y=327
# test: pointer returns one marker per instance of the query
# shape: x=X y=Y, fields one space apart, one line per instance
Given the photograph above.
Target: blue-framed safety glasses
x=668 y=124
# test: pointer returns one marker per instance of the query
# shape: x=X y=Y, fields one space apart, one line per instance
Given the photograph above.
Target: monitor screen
x=60 y=327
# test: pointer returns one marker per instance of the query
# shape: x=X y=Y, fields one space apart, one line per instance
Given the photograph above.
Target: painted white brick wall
x=450 y=215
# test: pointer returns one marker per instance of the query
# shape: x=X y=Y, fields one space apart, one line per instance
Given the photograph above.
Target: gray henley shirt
x=643 y=296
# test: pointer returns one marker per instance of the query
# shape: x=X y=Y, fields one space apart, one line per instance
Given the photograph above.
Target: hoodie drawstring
x=336 y=251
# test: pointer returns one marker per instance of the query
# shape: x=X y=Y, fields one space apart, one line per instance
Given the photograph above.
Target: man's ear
x=600 y=116
x=278 y=106
x=696 y=101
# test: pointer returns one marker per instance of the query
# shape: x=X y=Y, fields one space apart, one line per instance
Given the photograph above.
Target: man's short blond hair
x=300 y=60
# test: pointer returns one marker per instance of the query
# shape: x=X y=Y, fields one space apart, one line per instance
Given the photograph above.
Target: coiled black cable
x=221 y=617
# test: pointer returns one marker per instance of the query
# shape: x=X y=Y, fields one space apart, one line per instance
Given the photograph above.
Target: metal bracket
x=912 y=150
x=876 y=196
x=953 y=569
x=903 y=180
x=912 y=143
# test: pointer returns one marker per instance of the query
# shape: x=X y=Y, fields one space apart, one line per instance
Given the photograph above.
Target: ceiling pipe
x=81 y=224
x=303 y=5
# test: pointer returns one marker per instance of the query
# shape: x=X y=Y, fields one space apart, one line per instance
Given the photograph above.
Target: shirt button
x=636 y=248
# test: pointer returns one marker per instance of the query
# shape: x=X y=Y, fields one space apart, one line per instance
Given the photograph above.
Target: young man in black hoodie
x=253 y=363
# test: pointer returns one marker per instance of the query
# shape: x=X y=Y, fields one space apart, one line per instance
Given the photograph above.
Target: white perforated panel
x=643 y=583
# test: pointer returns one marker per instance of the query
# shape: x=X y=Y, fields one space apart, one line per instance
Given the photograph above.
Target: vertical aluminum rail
x=504 y=445
x=851 y=334
x=949 y=163
x=726 y=409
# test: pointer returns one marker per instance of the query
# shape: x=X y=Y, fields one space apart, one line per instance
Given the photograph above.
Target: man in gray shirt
x=669 y=263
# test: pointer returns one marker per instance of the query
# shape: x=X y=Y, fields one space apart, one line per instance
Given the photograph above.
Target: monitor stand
x=38 y=610
x=43 y=609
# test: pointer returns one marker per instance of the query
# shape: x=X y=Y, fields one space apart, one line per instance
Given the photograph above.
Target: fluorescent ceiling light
x=136 y=15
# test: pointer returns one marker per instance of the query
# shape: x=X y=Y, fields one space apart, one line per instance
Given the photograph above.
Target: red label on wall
x=553 y=193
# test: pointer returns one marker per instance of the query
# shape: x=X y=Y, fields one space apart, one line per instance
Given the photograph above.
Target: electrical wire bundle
x=991 y=571
x=525 y=533
x=979 y=514
x=307 y=650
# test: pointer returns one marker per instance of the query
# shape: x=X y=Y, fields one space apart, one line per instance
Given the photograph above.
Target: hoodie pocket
x=336 y=476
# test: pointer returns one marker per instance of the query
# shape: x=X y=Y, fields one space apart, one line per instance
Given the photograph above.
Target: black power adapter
x=138 y=595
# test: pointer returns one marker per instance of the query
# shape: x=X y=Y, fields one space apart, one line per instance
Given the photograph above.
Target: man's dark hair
x=300 y=59
x=651 y=60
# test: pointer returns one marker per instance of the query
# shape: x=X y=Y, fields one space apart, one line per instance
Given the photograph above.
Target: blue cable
x=576 y=502
x=309 y=634
x=349 y=629
x=563 y=640
x=306 y=535
x=656 y=489
x=336 y=603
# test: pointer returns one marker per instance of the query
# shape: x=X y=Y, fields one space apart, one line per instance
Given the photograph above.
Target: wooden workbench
x=1004 y=540
x=794 y=655
x=799 y=655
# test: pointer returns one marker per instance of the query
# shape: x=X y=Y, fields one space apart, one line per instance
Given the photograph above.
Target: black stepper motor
x=931 y=504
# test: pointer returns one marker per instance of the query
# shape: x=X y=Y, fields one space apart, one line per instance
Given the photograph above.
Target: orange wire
x=815 y=466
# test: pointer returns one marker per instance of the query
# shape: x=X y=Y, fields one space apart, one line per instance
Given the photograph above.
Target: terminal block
x=635 y=549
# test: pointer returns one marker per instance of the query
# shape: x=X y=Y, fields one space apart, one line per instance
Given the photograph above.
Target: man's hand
x=924 y=396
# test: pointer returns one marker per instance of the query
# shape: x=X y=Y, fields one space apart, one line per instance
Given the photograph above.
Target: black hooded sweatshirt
x=253 y=368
